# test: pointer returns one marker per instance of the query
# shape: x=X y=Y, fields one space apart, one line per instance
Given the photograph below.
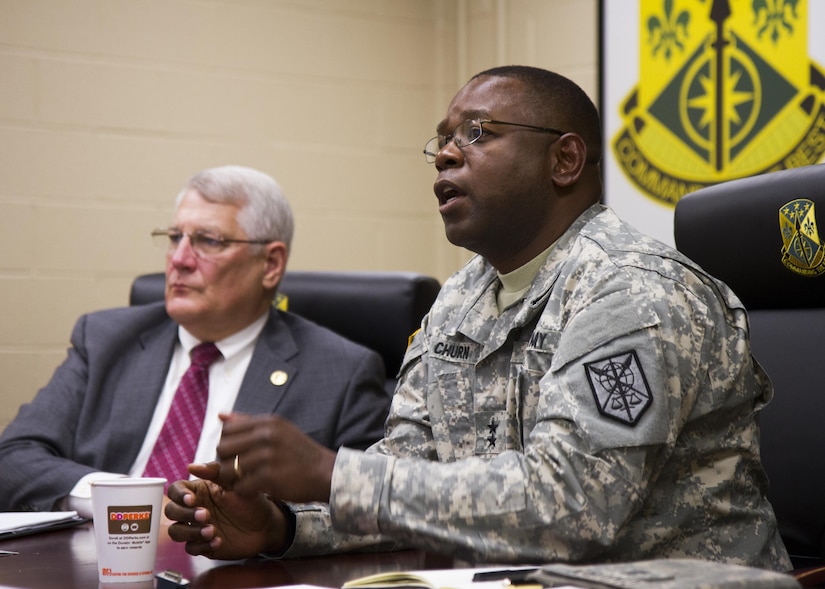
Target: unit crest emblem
x=802 y=250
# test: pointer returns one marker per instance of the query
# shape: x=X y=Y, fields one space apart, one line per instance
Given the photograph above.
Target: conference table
x=67 y=559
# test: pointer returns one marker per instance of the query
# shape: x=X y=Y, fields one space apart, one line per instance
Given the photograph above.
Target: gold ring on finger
x=237 y=466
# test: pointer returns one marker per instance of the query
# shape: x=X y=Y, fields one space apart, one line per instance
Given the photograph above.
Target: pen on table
x=515 y=576
x=8 y=553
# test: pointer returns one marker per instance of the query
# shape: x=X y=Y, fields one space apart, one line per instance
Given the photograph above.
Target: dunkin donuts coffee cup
x=127 y=513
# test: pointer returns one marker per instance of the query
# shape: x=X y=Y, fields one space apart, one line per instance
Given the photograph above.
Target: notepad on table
x=650 y=574
x=433 y=579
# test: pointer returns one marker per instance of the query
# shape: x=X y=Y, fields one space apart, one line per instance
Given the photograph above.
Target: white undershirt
x=225 y=377
x=515 y=284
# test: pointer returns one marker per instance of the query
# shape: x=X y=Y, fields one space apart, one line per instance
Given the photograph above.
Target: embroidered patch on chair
x=802 y=251
x=619 y=387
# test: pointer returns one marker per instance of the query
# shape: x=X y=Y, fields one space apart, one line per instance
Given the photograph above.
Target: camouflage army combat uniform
x=607 y=416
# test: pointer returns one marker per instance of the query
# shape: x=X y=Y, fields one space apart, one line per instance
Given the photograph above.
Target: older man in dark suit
x=104 y=411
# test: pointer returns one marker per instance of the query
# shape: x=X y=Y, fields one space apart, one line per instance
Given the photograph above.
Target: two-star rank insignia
x=619 y=387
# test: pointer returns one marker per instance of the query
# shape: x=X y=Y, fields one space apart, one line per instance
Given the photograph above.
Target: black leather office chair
x=379 y=310
x=763 y=236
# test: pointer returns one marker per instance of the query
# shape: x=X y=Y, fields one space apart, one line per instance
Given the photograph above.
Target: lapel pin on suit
x=278 y=378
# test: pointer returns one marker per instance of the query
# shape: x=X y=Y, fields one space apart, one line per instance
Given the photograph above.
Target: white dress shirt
x=225 y=377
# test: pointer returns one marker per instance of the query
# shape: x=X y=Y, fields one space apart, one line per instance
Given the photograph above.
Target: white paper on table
x=21 y=523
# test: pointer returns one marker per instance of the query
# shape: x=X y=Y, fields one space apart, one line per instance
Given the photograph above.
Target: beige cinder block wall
x=107 y=106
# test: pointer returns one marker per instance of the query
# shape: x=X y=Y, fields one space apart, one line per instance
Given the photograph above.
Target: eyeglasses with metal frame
x=471 y=130
x=203 y=244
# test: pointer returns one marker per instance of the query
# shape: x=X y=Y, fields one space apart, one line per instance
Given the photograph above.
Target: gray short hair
x=265 y=213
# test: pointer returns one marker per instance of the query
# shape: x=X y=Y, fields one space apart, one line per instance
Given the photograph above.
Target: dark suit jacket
x=94 y=413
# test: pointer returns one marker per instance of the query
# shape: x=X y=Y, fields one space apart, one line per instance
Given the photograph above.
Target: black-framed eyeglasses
x=204 y=244
x=470 y=131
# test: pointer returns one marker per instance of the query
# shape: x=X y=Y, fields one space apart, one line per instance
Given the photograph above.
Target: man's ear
x=571 y=155
x=275 y=257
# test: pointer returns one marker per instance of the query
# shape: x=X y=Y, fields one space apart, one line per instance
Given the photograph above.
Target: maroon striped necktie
x=178 y=440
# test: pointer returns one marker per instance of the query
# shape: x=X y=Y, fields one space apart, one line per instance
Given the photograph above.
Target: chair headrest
x=379 y=310
x=762 y=235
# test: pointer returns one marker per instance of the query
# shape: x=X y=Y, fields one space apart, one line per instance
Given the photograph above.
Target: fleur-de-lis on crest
x=664 y=33
x=808 y=227
x=775 y=13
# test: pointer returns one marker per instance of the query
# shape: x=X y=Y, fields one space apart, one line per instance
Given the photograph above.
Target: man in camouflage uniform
x=579 y=392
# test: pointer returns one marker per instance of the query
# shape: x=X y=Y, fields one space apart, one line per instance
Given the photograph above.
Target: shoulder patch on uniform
x=619 y=387
x=412 y=337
